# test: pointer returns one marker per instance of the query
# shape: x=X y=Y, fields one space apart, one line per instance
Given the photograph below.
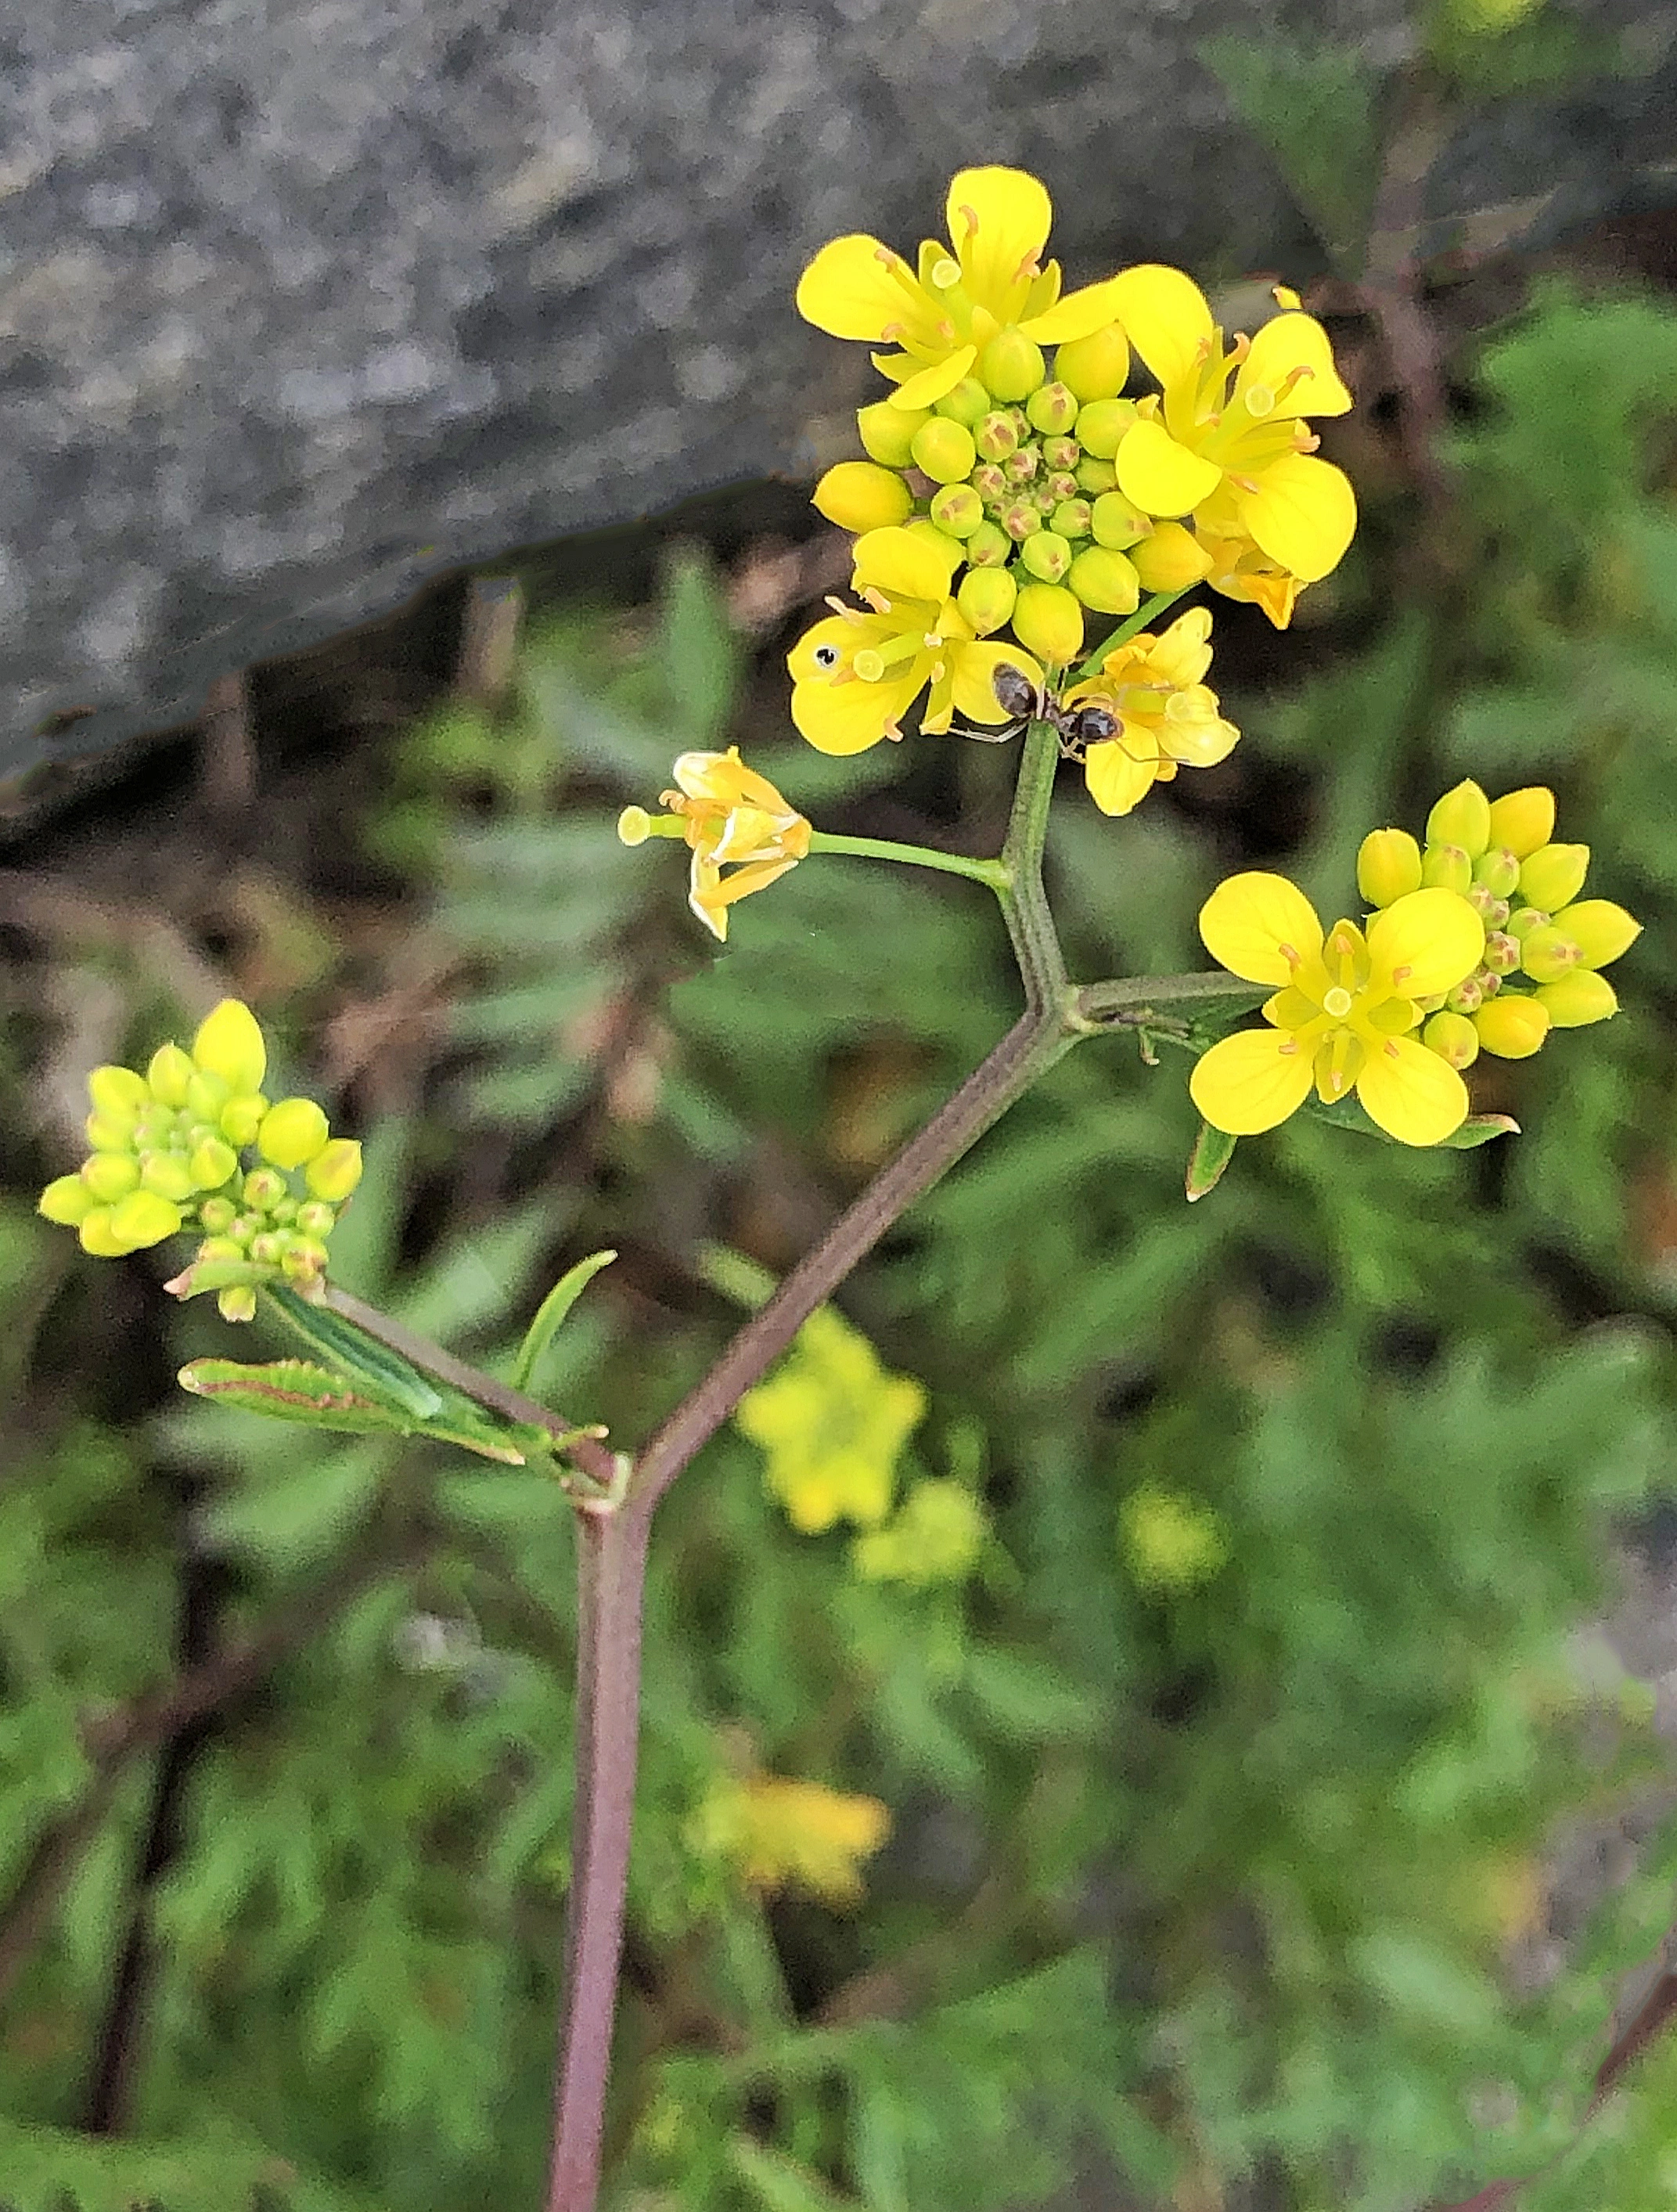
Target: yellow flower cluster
x=832 y=1424
x=1545 y=946
x=1041 y=485
x=782 y=1834
x=165 y=1156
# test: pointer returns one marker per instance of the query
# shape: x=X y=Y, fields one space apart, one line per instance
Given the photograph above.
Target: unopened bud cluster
x=171 y=1151
x=1545 y=946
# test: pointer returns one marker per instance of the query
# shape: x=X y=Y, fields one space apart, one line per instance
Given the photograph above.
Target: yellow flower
x=855 y=675
x=1170 y=1542
x=1167 y=717
x=938 y=1537
x=731 y=817
x=960 y=298
x=1241 y=570
x=782 y=1834
x=1229 y=421
x=1343 y=1017
x=833 y=1424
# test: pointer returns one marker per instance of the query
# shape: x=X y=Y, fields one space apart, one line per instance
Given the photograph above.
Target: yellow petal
x=1262 y=927
x=1117 y=780
x=1412 y=1094
x=849 y=717
x=858 y=289
x=1160 y=476
x=1165 y=319
x=1078 y=315
x=1302 y=514
x=998 y=223
x=1182 y=654
x=1284 y=343
x=704 y=885
x=1202 y=742
x=928 y=386
x=975 y=678
x=1250 y=1082
x=905 y=565
x=1424 y=942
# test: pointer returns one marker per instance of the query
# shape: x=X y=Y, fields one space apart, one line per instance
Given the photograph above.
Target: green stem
x=1133 y=998
x=1025 y=903
x=1131 y=627
x=992 y=873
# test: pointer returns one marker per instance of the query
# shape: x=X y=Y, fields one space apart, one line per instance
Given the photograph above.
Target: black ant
x=1076 y=727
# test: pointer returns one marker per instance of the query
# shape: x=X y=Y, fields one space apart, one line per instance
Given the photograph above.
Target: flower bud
x=989 y=547
x=1523 y=820
x=142 y=1218
x=1011 y=365
x=1047 y=556
x=1020 y=519
x=96 y=1235
x=966 y=403
x=634 y=825
x=240 y=1118
x=229 y=1045
x=217 y=1216
x=67 y=1200
x=860 y=495
x=1577 y=1000
x=985 y=598
x=943 y=450
x=169 y=1176
x=1502 y=952
x=1021 y=467
x=1061 y=454
x=1095 y=368
x=118 y=1093
x=947 y=549
x=304 y=1256
x=1525 y=919
x=318 y=1219
x=264 y=1189
x=212 y=1162
x=292 y=1132
x=1048 y=621
x=1499 y=870
x=1388 y=867
x=1512 y=1026
x=168 y=1073
x=111 y=1175
x=1102 y=426
x=1447 y=865
x=1488 y=983
x=1492 y=911
x=1600 y=929
x=888 y=431
x=1052 y=409
x=1452 y=1038
x=221 y=1248
x=206 y=1094
x=1071 y=518
x=236 y=1303
x=1548 y=953
x=1169 y=559
x=109 y=1132
x=989 y=481
x=1105 y=580
x=995 y=437
x=1095 y=476
x=1116 y=524
x=1468 y=997
x=334 y=1171
x=958 y=509
x=1462 y=817
x=268 y=1249
x=1553 y=876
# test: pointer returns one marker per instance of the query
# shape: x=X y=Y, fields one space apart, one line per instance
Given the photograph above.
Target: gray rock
x=301 y=304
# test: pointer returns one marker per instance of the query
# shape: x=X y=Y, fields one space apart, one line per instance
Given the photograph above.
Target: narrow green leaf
x=1213 y=1148
x=550 y=1313
x=1480 y=1130
x=370 y=1368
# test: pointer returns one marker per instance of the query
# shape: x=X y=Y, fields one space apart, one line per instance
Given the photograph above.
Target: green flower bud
x=1549 y=953
x=989 y=547
x=1553 y=876
x=958 y=509
x=1462 y=817
x=1102 y=426
x=1488 y=983
x=1447 y=865
x=985 y=598
x=1105 y=580
x=1115 y=523
x=1502 y=952
x=283 y=1211
x=1047 y=556
x=1061 y=454
x=860 y=495
x=943 y=450
x=1011 y=365
x=1525 y=919
x=335 y=1170
x=1492 y=911
x=1452 y=1038
x=218 y=1216
x=1052 y=409
x=236 y=1303
x=109 y=1132
x=264 y=1187
x=1048 y=621
x=244 y=1227
x=144 y=1218
x=206 y=1094
x=292 y=1132
x=996 y=436
x=1512 y=1026
x=1523 y=820
x=1170 y=558
x=221 y=1248
x=119 y=1093
x=269 y=1249
x=947 y=548
x=169 y=1176
x=1600 y=929
x=67 y=1200
x=1578 y=999
x=305 y=1257
x=229 y=1046
x=1388 y=867
x=212 y=1162
x=1499 y=870
x=317 y=1218
x=967 y=402
x=1468 y=997
x=1020 y=519
x=1095 y=368
x=168 y=1073
x=888 y=432
x=240 y=1118
x=1071 y=518
x=1062 y=490
x=1095 y=476
x=111 y=1175
x=1021 y=467
x=97 y=1237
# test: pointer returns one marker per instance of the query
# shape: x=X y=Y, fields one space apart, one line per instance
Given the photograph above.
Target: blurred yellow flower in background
x=782 y=1834
x=832 y=1423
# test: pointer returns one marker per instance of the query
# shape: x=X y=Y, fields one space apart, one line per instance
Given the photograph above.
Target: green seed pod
x=1106 y=580
x=1115 y=523
x=1452 y=1038
x=293 y=1131
x=1461 y=818
x=1102 y=426
x=1011 y=365
x=1553 y=876
x=985 y=598
x=860 y=495
x=1388 y=867
x=1094 y=367
x=958 y=509
x=989 y=547
x=888 y=432
x=1048 y=621
x=1052 y=409
x=967 y=403
x=1447 y=867
x=1549 y=953
x=943 y=450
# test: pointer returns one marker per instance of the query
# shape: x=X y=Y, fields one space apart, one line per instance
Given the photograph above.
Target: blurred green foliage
x=1227 y=1762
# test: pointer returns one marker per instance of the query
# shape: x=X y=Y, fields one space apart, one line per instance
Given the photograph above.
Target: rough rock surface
x=301 y=304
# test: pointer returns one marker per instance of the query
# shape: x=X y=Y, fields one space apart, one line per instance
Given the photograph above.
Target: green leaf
x=1313 y=106
x=1350 y=1113
x=1213 y=1148
x=371 y=1369
x=551 y=1313
x=290 y=1390
x=700 y=655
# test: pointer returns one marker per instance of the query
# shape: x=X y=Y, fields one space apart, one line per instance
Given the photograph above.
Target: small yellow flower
x=1167 y=717
x=833 y=1424
x=938 y=1537
x=855 y=675
x=1229 y=425
x=1343 y=1017
x=731 y=817
x=1170 y=1542
x=782 y=1834
x=987 y=290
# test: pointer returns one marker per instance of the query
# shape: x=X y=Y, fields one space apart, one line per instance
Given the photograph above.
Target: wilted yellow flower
x=938 y=1537
x=732 y=818
x=856 y=674
x=1154 y=690
x=833 y=1424
x=782 y=1834
x=1343 y=1017
x=985 y=303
